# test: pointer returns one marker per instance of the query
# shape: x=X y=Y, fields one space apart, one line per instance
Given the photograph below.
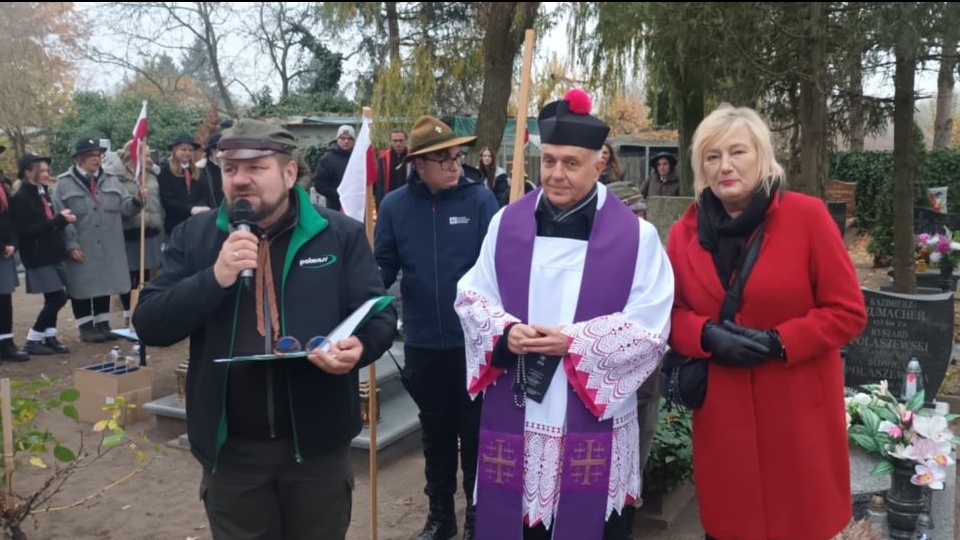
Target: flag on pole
x=139 y=135
x=361 y=171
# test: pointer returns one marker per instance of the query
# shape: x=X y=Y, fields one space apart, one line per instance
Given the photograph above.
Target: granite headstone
x=901 y=327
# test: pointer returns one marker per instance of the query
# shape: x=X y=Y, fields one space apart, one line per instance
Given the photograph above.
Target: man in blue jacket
x=430 y=230
x=273 y=436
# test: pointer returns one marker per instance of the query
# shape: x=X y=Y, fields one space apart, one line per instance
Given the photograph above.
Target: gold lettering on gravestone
x=844 y=192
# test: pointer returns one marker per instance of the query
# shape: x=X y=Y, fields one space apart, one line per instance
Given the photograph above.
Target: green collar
x=309 y=221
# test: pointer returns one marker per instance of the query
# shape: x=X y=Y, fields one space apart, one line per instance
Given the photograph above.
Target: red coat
x=770 y=442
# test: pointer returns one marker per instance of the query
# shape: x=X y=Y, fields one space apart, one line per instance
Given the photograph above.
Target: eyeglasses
x=290 y=344
x=447 y=161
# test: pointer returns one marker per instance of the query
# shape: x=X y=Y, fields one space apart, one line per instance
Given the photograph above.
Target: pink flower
x=906 y=417
x=931 y=476
x=923 y=237
x=943 y=245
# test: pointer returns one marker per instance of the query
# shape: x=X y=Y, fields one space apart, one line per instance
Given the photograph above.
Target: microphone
x=242 y=218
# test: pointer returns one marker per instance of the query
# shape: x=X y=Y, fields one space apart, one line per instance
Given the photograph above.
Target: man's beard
x=265 y=210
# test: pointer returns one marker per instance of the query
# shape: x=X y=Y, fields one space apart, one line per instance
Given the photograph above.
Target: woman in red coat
x=770 y=441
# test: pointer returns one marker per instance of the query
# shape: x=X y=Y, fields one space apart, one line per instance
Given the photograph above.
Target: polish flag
x=361 y=172
x=139 y=135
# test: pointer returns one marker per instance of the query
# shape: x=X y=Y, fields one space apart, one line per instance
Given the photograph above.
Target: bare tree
x=145 y=26
x=280 y=31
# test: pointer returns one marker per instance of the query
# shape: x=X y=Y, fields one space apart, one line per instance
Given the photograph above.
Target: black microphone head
x=242 y=212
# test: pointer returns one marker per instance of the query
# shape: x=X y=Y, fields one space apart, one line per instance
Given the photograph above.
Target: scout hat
x=87 y=145
x=670 y=157
x=568 y=122
x=429 y=135
x=184 y=138
x=27 y=160
x=249 y=139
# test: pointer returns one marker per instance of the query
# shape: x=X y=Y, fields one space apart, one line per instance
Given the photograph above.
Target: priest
x=565 y=314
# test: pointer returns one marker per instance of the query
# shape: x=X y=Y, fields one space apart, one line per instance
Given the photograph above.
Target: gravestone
x=662 y=212
x=901 y=327
x=838 y=211
x=928 y=220
x=845 y=192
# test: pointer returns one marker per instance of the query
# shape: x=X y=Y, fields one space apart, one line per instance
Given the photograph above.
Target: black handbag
x=683 y=380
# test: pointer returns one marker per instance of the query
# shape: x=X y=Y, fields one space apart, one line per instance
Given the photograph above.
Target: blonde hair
x=717 y=126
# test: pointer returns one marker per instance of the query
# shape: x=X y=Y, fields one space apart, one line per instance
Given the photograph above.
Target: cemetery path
x=161 y=502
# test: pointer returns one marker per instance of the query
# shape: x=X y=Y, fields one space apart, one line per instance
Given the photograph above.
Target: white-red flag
x=361 y=171
x=139 y=135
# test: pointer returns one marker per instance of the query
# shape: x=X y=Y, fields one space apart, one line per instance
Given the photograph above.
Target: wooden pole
x=135 y=293
x=372 y=376
x=517 y=179
x=8 y=465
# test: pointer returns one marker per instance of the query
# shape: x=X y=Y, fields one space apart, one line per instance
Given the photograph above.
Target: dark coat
x=329 y=271
x=176 y=200
x=770 y=442
x=329 y=173
x=41 y=241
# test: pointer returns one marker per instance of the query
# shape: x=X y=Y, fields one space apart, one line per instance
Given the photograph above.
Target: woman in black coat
x=8 y=277
x=42 y=250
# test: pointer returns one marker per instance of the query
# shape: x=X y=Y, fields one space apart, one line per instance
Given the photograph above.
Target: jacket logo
x=459 y=220
x=318 y=262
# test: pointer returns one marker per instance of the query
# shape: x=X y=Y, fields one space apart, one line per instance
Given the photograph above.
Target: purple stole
x=587 y=444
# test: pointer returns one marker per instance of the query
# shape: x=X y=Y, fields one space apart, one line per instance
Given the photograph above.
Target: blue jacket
x=433 y=240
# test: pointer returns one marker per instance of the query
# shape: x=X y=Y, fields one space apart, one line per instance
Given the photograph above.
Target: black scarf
x=725 y=237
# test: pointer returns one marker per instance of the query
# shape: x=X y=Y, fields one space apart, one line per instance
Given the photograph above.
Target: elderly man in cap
x=181 y=191
x=430 y=231
x=273 y=436
x=565 y=314
x=97 y=267
x=332 y=165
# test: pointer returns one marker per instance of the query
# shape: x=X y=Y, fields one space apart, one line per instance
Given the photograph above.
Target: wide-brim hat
x=87 y=145
x=184 y=138
x=429 y=135
x=568 y=122
x=27 y=160
x=670 y=157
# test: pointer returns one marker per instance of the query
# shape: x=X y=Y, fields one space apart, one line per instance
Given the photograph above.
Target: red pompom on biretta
x=578 y=101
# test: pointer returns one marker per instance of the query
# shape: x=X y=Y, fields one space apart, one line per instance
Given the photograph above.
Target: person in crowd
x=332 y=165
x=494 y=177
x=210 y=175
x=757 y=475
x=392 y=168
x=8 y=276
x=664 y=178
x=430 y=231
x=153 y=220
x=182 y=193
x=43 y=252
x=565 y=315
x=612 y=171
x=272 y=437
x=97 y=267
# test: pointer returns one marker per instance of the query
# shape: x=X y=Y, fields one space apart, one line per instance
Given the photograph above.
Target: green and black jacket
x=328 y=271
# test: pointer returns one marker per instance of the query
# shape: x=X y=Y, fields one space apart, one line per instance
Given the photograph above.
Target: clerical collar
x=575 y=222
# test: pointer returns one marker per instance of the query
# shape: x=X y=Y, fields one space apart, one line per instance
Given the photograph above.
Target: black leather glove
x=732 y=349
x=768 y=338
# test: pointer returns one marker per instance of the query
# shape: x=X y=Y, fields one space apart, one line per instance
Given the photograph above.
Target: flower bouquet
x=934 y=248
x=880 y=424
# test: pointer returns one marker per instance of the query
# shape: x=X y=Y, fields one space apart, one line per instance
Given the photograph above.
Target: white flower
x=932 y=427
x=849 y=420
x=930 y=475
x=954 y=246
x=935 y=257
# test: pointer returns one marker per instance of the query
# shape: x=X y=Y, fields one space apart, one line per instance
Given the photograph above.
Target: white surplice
x=614 y=354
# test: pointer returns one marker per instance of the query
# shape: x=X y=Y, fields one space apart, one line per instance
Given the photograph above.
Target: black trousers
x=614 y=529
x=260 y=492
x=437 y=381
x=47 y=318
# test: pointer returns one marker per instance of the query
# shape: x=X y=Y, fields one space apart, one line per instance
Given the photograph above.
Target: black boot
x=441 y=522
x=54 y=343
x=11 y=353
x=469 y=520
x=90 y=334
x=104 y=328
x=629 y=513
x=37 y=347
